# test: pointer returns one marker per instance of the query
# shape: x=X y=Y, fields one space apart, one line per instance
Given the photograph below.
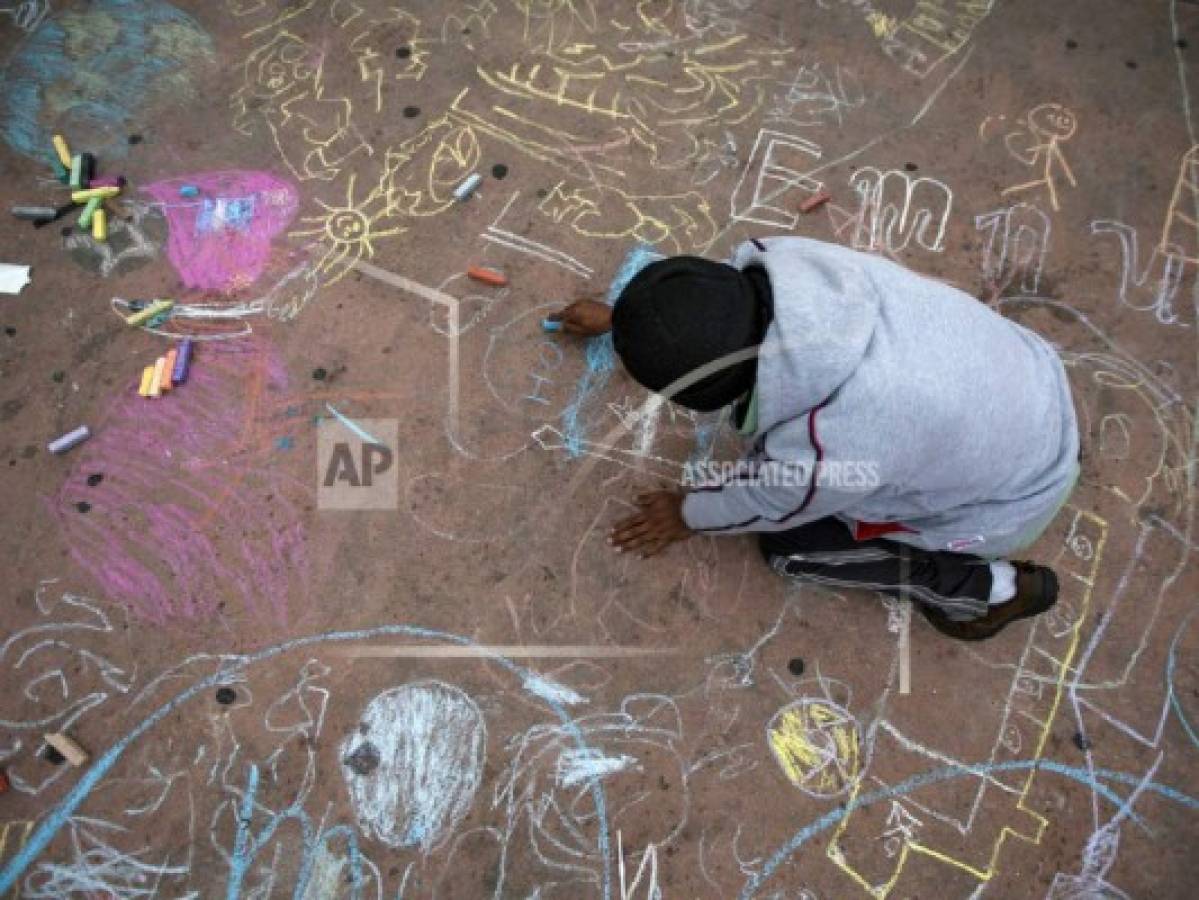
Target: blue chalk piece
x=183 y=361
x=550 y=325
x=284 y=443
x=189 y=190
x=464 y=190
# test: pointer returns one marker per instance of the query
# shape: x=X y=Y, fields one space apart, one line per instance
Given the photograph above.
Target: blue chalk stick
x=189 y=190
x=550 y=325
x=183 y=362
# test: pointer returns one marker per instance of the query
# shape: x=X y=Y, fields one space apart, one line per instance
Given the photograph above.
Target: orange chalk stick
x=168 y=369
x=816 y=200
x=487 y=276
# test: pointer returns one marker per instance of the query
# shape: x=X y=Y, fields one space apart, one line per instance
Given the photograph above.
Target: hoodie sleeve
x=769 y=494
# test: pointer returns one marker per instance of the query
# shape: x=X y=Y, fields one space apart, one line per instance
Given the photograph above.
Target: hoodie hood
x=826 y=309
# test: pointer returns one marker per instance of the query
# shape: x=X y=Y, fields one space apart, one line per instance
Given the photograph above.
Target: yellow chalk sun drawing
x=348 y=232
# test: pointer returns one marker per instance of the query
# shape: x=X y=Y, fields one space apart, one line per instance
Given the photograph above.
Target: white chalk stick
x=67 y=441
x=71 y=751
x=468 y=187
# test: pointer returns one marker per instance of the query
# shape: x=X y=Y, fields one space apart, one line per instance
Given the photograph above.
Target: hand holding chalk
x=586 y=318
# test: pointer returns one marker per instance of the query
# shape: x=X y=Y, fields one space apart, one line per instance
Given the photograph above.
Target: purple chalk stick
x=183 y=361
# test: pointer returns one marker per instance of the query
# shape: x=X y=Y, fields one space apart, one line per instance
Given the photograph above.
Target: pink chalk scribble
x=171 y=508
x=220 y=239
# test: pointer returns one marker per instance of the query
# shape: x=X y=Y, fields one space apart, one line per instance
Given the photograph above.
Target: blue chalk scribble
x=86 y=73
x=224 y=214
x=600 y=356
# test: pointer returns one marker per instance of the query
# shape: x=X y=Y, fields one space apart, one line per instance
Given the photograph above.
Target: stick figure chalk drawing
x=88 y=73
x=1038 y=145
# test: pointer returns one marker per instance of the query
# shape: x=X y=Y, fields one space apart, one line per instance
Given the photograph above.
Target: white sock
x=1003 y=582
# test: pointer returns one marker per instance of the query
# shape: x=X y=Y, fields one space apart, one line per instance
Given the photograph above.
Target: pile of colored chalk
x=167 y=373
x=87 y=190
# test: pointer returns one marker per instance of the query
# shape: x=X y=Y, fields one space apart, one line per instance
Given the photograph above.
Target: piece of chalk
x=160 y=366
x=816 y=200
x=92 y=193
x=58 y=214
x=77 y=172
x=69 y=440
x=89 y=169
x=467 y=187
x=189 y=190
x=63 y=151
x=182 y=363
x=100 y=224
x=34 y=213
x=168 y=371
x=143 y=389
x=85 y=217
x=550 y=325
x=145 y=315
x=71 y=751
x=487 y=276
x=116 y=181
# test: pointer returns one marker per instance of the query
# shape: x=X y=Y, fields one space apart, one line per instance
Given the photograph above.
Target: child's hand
x=658 y=525
x=587 y=318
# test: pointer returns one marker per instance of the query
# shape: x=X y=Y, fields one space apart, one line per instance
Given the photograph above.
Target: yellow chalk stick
x=145 y=315
x=159 y=368
x=85 y=217
x=63 y=151
x=169 y=369
x=143 y=389
x=102 y=192
x=100 y=224
x=71 y=751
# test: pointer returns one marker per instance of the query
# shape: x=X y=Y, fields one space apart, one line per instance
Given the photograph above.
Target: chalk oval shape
x=417 y=779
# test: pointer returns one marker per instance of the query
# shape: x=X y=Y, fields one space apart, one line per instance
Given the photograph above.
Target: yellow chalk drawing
x=551 y=25
x=375 y=40
x=934 y=31
x=1046 y=127
x=661 y=100
x=1180 y=231
x=283 y=85
x=348 y=231
x=1047 y=661
x=816 y=744
x=681 y=221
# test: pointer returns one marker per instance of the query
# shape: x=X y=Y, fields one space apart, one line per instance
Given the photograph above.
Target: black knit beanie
x=682 y=313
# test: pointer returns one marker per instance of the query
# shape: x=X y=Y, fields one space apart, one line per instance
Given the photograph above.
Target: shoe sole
x=950 y=628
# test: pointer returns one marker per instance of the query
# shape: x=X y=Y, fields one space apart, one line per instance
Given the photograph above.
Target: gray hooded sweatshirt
x=908 y=402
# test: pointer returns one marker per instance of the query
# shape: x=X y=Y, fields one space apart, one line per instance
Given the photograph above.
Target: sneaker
x=1036 y=592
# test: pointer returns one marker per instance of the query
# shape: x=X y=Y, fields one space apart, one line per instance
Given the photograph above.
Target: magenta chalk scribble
x=220 y=238
x=171 y=508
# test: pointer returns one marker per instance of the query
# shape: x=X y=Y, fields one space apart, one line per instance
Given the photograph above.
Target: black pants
x=824 y=552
